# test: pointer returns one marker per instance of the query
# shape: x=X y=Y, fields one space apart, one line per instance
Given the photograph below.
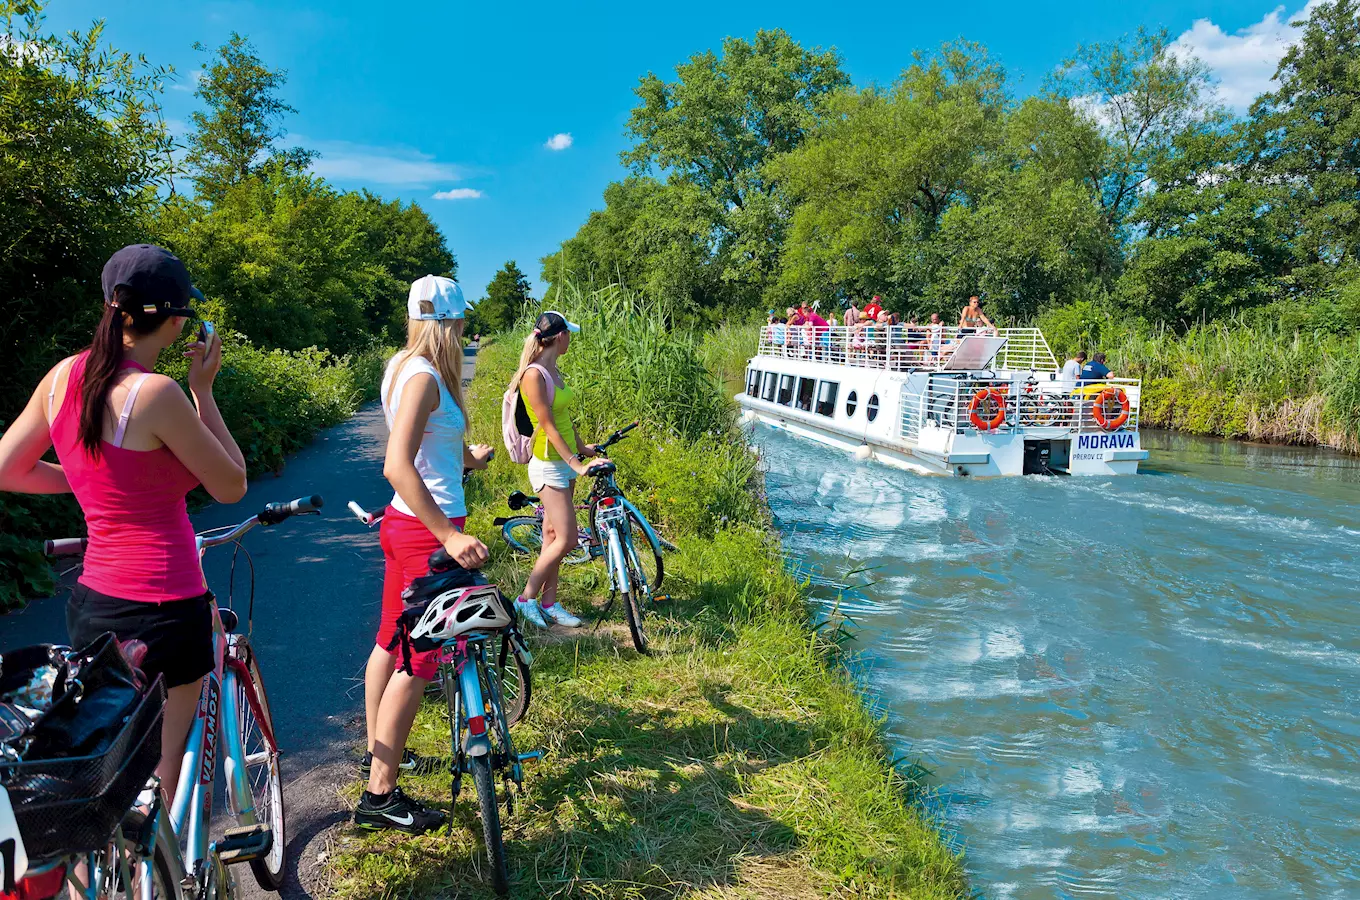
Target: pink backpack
x=516 y=429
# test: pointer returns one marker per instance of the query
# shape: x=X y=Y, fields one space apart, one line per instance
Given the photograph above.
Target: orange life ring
x=1101 y=403
x=982 y=396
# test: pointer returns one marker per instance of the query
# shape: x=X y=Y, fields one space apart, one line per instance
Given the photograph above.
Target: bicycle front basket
x=72 y=805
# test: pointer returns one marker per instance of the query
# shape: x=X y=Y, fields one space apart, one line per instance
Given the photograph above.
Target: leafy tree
x=235 y=137
x=711 y=131
x=1142 y=95
x=83 y=151
x=651 y=236
x=1307 y=137
x=406 y=244
x=506 y=298
x=934 y=190
x=284 y=259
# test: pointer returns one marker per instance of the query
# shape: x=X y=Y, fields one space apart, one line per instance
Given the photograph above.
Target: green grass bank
x=274 y=402
x=739 y=760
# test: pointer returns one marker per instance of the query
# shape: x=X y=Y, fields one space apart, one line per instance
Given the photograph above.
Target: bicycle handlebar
x=274 y=513
x=616 y=437
x=65 y=546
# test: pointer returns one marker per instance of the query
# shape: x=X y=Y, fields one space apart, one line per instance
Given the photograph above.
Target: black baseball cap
x=156 y=277
x=550 y=324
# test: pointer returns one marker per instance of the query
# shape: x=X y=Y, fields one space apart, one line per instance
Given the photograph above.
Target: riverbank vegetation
x=305 y=282
x=1209 y=245
x=736 y=761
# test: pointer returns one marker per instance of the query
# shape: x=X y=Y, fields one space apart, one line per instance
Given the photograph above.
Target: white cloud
x=194 y=77
x=559 y=141
x=458 y=194
x=343 y=161
x=1243 y=63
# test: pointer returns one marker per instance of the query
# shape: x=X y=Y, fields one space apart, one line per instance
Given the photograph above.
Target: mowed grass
x=738 y=760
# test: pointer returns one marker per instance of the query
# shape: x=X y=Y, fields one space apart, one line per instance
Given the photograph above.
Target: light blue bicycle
x=166 y=854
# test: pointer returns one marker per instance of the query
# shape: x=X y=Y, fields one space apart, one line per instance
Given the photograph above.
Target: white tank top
x=440 y=457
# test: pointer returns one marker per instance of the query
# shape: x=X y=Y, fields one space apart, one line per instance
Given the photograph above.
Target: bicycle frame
x=214 y=731
x=467 y=703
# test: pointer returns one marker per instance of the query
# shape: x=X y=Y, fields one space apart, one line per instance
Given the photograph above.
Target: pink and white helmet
x=460 y=611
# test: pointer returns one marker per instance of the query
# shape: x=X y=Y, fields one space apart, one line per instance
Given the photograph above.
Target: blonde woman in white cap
x=422 y=399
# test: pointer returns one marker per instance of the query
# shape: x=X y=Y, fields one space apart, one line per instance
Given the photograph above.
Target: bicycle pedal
x=531 y=756
x=244 y=843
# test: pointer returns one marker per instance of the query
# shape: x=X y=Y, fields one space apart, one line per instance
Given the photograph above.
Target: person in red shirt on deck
x=873 y=309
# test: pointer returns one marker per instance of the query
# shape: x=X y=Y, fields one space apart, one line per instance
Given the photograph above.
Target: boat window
x=785 y=389
x=851 y=404
x=871 y=409
x=752 y=382
x=806 y=388
x=826 y=398
x=767 y=389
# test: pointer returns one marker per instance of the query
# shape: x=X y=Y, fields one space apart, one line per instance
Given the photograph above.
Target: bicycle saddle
x=607 y=468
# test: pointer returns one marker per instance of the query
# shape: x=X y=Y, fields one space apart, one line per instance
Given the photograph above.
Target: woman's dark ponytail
x=103 y=363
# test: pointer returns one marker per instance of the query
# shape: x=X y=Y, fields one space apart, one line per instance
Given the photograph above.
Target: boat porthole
x=851 y=403
x=871 y=410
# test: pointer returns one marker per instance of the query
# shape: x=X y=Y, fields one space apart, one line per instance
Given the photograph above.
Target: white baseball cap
x=443 y=294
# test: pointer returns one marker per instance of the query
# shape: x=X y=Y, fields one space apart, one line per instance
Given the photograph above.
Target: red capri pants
x=407 y=545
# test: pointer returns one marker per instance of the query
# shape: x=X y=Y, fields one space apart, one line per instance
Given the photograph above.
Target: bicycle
x=172 y=854
x=458 y=614
x=513 y=667
x=612 y=524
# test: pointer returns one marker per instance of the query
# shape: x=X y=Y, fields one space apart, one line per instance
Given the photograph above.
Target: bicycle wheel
x=647 y=553
x=516 y=688
x=109 y=872
x=633 y=610
x=485 y=782
x=263 y=771
x=524 y=534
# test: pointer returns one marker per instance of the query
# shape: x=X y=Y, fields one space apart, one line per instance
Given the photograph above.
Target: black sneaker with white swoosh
x=398 y=812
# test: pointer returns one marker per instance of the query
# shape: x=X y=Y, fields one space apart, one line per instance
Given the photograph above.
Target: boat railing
x=902 y=348
x=965 y=404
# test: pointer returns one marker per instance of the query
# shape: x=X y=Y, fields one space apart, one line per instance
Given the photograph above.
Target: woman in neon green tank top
x=558 y=459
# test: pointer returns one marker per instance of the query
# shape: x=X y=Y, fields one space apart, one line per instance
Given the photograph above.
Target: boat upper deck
x=905 y=348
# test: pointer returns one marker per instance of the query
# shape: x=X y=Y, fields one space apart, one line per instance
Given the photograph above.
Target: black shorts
x=178 y=634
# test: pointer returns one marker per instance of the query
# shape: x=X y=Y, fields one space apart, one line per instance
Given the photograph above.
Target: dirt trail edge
x=317 y=584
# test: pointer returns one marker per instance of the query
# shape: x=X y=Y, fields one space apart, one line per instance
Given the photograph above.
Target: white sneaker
x=529 y=611
x=558 y=613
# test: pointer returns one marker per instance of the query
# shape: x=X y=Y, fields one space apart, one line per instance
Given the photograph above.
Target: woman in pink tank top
x=129 y=446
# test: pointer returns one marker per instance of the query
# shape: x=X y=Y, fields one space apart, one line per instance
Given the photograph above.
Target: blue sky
x=414 y=99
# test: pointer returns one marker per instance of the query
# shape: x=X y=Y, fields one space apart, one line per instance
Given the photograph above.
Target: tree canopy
x=759 y=175
x=506 y=298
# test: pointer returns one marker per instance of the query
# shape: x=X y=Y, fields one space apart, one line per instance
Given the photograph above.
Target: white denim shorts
x=553 y=473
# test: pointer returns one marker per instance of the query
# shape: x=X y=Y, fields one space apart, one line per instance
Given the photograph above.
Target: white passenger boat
x=944 y=401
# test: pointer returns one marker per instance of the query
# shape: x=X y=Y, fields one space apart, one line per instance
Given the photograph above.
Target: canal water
x=1141 y=687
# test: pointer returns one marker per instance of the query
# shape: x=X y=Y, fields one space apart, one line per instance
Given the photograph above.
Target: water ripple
x=1134 y=688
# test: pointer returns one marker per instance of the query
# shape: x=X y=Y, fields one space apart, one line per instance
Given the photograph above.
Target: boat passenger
x=1071 y=369
x=972 y=319
x=422 y=401
x=142 y=579
x=558 y=458
x=872 y=310
x=1095 y=370
x=852 y=313
x=935 y=340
